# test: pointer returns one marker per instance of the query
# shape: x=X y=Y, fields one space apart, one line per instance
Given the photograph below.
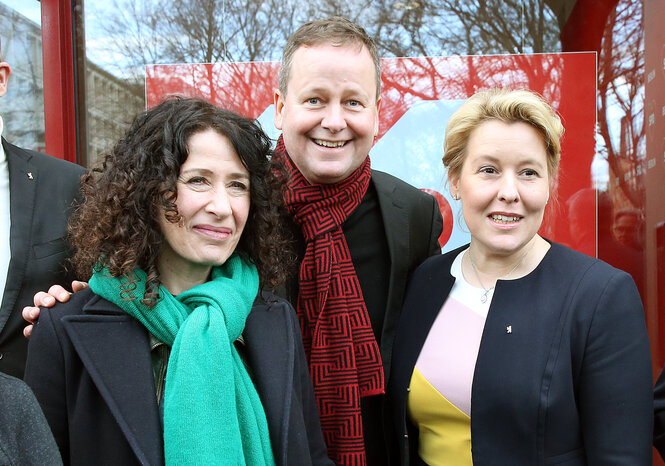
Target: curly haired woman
x=173 y=355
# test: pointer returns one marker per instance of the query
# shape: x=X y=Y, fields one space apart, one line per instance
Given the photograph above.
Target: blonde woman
x=515 y=350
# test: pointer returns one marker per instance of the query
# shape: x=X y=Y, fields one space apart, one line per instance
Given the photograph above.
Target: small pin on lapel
x=30 y=177
x=509 y=329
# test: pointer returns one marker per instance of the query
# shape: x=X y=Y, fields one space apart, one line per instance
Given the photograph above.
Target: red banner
x=419 y=95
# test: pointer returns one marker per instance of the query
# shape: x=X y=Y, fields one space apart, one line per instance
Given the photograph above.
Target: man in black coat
x=36 y=191
x=327 y=108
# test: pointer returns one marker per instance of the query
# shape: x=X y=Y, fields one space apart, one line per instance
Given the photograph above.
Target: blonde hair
x=508 y=106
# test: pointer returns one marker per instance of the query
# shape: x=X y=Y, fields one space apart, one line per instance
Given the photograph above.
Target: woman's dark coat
x=563 y=375
x=89 y=365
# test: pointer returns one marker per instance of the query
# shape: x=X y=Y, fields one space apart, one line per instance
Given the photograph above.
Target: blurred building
x=112 y=105
x=112 y=102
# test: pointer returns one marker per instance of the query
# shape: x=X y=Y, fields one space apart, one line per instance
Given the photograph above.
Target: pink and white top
x=448 y=358
x=439 y=401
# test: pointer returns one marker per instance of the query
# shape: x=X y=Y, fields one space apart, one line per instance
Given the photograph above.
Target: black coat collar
x=114 y=348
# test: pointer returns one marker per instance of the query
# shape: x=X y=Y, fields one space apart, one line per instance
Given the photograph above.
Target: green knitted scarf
x=212 y=412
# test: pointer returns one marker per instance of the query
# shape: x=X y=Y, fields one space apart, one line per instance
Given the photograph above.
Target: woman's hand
x=47 y=299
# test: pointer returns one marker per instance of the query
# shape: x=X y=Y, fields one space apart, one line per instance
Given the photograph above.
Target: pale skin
x=48 y=299
x=5 y=71
x=504 y=187
x=329 y=114
x=213 y=199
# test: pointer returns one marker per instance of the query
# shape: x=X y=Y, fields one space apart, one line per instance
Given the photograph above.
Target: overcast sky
x=28 y=8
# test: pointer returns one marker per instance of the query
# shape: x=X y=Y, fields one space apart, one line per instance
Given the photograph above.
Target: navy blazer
x=89 y=365
x=41 y=190
x=570 y=385
x=659 y=415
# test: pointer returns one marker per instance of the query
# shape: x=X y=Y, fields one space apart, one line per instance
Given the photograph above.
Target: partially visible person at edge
x=173 y=355
x=25 y=437
x=515 y=350
x=36 y=192
x=361 y=232
x=659 y=415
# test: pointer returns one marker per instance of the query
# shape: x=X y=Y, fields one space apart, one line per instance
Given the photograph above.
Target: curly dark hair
x=116 y=225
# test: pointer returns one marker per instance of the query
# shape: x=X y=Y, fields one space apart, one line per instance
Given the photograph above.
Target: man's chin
x=330 y=172
x=328 y=176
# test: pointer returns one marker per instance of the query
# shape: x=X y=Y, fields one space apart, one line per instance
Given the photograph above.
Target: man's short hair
x=336 y=31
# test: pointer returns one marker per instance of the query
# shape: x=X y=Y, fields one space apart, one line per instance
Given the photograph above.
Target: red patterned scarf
x=344 y=358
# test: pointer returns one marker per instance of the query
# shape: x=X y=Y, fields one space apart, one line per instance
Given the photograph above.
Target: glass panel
x=22 y=107
x=606 y=176
x=621 y=141
x=419 y=96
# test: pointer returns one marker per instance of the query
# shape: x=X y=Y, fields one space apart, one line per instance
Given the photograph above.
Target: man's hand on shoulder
x=48 y=299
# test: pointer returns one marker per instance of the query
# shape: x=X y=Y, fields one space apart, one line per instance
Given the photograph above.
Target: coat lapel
x=114 y=349
x=427 y=293
x=396 y=226
x=269 y=345
x=23 y=179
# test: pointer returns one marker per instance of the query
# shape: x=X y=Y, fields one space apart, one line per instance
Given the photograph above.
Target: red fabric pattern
x=344 y=357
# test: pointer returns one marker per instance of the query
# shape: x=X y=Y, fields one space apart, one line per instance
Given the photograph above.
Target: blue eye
x=313 y=100
x=488 y=170
x=530 y=173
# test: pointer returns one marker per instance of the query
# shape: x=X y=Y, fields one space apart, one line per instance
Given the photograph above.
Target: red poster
x=419 y=95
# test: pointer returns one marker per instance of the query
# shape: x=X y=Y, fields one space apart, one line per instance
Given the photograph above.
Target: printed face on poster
x=418 y=97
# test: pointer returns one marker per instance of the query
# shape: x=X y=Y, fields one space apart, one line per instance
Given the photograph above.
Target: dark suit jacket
x=412 y=222
x=659 y=417
x=25 y=437
x=41 y=191
x=89 y=365
x=571 y=385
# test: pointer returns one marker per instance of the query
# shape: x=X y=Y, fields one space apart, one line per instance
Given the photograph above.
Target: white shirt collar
x=3 y=157
x=5 y=217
